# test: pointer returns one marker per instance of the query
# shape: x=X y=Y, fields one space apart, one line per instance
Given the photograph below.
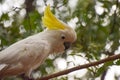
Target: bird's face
x=61 y=36
x=61 y=40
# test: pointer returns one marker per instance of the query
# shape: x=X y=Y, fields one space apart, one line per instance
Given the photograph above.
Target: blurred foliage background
x=97 y=23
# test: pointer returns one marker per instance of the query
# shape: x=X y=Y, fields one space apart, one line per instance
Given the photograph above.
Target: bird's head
x=60 y=34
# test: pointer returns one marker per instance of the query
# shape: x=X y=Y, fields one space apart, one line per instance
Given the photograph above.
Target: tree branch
x=110 y=58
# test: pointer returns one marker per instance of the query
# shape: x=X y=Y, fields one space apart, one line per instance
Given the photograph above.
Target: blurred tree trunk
x=29 y=5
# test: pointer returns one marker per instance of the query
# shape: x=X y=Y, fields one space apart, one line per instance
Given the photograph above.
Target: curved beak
x=67 y=45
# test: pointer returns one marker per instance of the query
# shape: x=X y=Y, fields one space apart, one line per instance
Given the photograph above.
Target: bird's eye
x=63 y=37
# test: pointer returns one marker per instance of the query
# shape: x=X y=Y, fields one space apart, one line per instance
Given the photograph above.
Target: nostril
x=67 y=45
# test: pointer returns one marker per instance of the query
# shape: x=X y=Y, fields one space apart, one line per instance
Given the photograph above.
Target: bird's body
x=28 y=54
x=23 y=57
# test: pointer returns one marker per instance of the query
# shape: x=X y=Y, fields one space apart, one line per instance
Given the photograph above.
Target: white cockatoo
x=28 y=54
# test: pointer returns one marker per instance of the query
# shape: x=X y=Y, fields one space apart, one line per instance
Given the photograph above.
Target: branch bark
x=110 y=58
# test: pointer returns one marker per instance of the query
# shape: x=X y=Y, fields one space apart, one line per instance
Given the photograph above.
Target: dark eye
x=63 y=37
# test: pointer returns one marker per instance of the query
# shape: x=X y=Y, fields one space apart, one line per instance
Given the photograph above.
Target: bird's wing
x=24 y=52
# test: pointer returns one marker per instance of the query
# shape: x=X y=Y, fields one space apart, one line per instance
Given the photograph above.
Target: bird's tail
x=2 y=68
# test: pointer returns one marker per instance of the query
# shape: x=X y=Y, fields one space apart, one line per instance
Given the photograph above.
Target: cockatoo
x=28 y=54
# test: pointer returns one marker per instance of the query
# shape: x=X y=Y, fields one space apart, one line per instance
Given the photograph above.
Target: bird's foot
x=25 y=77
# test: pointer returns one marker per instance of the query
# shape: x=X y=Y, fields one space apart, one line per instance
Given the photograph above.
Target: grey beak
x=67 y=45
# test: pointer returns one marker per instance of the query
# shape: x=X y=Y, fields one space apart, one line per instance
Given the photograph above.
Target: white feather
x=2 y=66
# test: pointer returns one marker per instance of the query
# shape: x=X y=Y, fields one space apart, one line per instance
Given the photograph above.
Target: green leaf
x=118 y=62
x=4 y=17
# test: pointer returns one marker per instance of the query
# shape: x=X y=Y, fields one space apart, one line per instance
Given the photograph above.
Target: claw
x=25 y=77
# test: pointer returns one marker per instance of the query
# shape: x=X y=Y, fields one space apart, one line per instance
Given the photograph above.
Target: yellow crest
x=50 y=21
